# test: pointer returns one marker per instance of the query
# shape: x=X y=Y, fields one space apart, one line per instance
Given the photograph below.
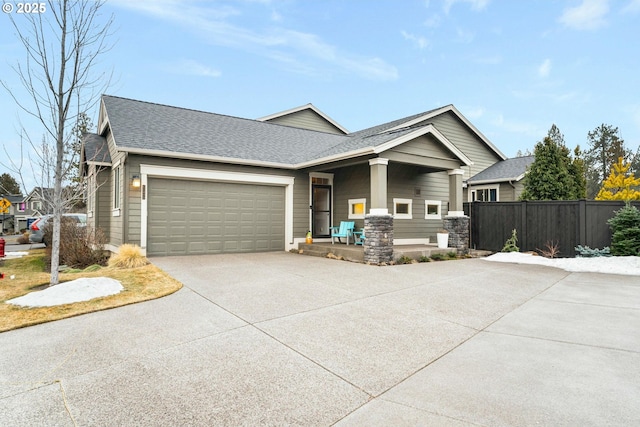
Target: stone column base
x=378 y=245
x=459 y=232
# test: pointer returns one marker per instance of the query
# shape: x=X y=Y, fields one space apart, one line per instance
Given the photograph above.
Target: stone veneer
x=459 y=232
x=378 y=245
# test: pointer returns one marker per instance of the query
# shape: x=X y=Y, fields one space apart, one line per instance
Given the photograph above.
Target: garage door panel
x=213 y=217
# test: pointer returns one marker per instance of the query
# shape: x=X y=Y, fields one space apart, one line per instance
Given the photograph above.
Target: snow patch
x=83 y=289
x=626 y=265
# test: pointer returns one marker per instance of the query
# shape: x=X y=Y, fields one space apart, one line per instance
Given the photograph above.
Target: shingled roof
x=505 y=170
x=155 y=129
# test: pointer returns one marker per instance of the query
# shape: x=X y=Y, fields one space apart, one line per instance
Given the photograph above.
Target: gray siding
x=133 y=201
x=350 y=183
x=473 y=147
x=116 y=227
x=306 y=119
x=425 y=146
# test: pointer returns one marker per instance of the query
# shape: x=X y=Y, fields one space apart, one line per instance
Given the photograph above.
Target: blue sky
x=513 y=68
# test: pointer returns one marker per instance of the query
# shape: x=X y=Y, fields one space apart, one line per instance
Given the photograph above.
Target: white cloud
x=632 y=7
x=476 y=5
x=293 y=47
x=194 y=68
x=545 y=68
x=464 y=36
x=589 y=15
x=419 y=41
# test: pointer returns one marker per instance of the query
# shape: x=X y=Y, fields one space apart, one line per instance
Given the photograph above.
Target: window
x=116 y=191
x=402 y=208
x=357 y=208
x=488 y=194
x=22 y=206
x=36 y=205
x=432 y=209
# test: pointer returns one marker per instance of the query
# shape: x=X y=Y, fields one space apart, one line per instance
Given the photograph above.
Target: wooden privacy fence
x=539 y=223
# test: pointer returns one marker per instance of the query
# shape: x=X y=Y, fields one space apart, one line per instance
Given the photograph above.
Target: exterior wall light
x=135 y=181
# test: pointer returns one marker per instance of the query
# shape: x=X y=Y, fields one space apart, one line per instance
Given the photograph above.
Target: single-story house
x=500 y=182
x=177 y=181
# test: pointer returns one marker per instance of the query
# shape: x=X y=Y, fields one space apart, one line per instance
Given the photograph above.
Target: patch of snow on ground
x=82 y=289
x=627 y=265
x=15 y=254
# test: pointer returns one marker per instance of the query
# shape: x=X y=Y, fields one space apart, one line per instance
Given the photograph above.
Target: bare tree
x=62 y=42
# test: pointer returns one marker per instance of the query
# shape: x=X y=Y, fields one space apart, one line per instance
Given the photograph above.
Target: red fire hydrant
x=1 y=247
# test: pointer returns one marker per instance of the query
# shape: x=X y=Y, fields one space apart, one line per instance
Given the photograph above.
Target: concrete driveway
x=284 y=339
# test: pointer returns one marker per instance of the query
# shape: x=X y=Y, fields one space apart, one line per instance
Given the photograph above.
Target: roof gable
x=506 y=170
x=306 y=117
x=160 y=130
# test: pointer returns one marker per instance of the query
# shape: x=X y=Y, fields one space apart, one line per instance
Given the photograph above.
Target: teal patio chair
x=345 y=230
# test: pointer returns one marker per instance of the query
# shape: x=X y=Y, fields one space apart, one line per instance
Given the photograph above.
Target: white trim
x=364 y=208
x=426 y=209
x=379 y=211
x=147 y=171
x=302 y=108
x=397 y=215
x=474 y=188
x=420 y=132
x=455 y=213
x=378 y=161
x=418 y=241
x=203 y=157
x=328 y=176
x=455 y=111
x=456 y=172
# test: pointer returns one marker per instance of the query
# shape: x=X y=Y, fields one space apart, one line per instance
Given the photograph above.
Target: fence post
x=524 y=241
x=582 y=220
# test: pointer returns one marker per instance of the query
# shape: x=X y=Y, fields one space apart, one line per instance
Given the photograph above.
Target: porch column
x=379 y=186
x=455 y=193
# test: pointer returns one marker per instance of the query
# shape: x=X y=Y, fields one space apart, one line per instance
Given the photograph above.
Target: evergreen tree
x=605 y=146
x=625 y=228
x=554 y=175
x=8 y=185
x=620 y=184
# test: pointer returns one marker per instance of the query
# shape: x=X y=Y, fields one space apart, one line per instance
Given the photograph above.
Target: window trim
x=116 y=199
x=437 y=203
x=355 y=202
x=398 y=201
x=473 y=192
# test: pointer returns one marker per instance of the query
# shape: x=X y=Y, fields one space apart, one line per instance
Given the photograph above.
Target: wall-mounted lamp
x=135 y=181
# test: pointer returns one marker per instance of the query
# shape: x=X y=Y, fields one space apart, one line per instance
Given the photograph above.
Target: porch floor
x=356 y=252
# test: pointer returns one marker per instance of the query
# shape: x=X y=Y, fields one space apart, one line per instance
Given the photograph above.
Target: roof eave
x=202 y=157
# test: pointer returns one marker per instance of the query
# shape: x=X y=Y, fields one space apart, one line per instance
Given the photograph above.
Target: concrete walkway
x=283 y=339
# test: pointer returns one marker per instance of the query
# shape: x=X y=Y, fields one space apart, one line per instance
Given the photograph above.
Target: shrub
x=437 y=257
x=404 y=260
x=424 y=259
x=625 y=228
x=128 y=256
x=80 y=246
x=587 y=252
x=551 y=250
x=452 y=255
x=511 y=244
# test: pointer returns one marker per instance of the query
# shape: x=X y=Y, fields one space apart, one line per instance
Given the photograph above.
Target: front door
x=321 y=210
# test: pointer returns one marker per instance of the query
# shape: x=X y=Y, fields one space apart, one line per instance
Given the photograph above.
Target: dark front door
x=321 y=210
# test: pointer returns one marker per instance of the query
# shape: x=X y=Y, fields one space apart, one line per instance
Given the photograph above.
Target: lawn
x=140 y=284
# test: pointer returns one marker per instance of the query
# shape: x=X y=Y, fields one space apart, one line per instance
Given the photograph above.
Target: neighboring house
x=500 y=182
x=178 y=181
x=24 y=209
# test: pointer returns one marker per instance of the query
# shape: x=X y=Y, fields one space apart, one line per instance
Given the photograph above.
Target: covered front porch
x=355 y=253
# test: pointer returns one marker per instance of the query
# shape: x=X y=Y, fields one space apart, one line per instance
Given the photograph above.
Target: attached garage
x=186 y=217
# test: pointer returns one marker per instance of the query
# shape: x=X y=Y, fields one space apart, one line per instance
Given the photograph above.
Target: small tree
x=625 y=228
x=619 y=184
x=605 y=147
x=8 y=184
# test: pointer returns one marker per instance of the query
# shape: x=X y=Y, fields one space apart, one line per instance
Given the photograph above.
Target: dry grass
x=140 y=284
x=128 y=256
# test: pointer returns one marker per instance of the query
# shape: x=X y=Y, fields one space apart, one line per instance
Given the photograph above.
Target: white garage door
x=204 y=217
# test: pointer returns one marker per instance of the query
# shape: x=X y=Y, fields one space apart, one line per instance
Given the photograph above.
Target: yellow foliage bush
x=128 y=256
x=620 y=184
